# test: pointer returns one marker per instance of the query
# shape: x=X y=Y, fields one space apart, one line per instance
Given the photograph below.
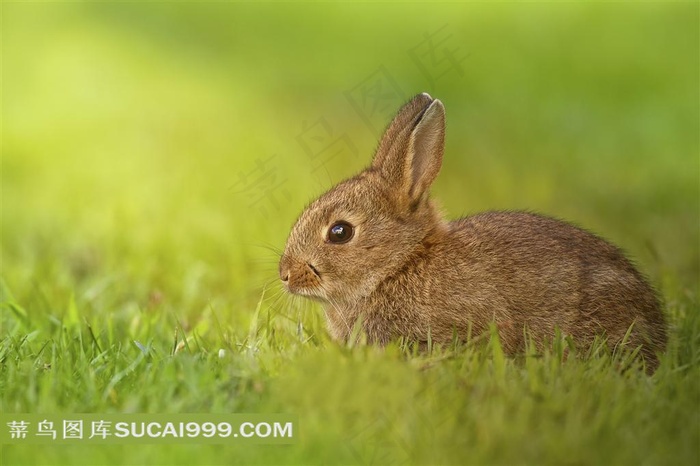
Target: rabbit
x=377 y=251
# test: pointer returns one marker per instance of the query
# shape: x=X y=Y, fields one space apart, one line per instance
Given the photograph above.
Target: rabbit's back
x=526 y=270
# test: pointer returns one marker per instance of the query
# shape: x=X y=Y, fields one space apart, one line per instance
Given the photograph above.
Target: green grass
x=132 y=252
x=359 y=405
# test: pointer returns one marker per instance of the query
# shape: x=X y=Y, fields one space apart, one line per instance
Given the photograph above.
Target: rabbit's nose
x=284 y=270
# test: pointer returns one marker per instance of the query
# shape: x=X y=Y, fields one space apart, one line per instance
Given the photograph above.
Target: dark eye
x=340 y=232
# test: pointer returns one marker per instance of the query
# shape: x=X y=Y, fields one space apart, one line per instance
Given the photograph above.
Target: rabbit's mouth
x=313 y=293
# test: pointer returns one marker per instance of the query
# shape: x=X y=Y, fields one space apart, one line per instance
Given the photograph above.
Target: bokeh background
x=185 y=136
x=154 y=156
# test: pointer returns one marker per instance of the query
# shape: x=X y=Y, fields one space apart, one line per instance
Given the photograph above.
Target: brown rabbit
x=376 y=248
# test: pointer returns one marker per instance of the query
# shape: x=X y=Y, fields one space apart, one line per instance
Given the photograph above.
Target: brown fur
x=408 y=272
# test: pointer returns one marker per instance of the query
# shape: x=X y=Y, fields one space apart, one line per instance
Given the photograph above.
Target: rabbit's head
x=362 y=230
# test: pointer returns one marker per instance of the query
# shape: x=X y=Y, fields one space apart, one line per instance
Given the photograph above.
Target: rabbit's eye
x=340 y=232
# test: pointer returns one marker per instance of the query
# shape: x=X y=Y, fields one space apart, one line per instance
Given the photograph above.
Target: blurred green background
x=140 y=131
x=155 y=155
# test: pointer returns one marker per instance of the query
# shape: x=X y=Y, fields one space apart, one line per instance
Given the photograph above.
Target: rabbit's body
x=376 y=250
x=516 y=269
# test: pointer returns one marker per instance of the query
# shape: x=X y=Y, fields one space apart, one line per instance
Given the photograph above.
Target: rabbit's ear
x=414 y=158
x=396 y=133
